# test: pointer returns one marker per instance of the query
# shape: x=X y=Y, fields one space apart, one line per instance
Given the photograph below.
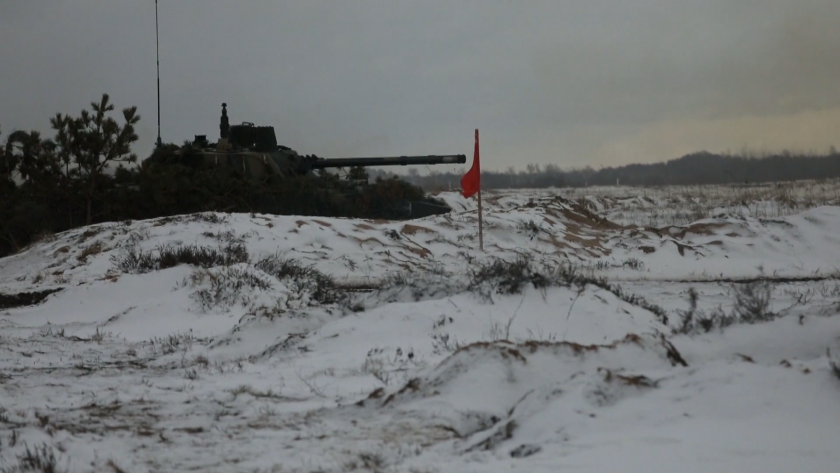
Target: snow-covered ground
x=680 y=205
x=319 y=345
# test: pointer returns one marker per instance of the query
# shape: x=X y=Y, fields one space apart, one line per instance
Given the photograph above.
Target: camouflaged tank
x=254 y=151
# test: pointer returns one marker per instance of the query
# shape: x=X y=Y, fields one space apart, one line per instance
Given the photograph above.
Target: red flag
x=471 y=182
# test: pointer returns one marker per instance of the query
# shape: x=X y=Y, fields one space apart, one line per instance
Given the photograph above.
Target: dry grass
x=89 y=251
x=40 y=459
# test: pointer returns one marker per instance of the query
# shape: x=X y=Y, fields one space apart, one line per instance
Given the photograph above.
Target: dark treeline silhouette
x=693 y=169
x=86 y=174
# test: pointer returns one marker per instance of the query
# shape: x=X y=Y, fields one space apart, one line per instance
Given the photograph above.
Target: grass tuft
x=133 y=260
x=40 y=459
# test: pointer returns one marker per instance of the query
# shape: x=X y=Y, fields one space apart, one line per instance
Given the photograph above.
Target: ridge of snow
x=132 y=367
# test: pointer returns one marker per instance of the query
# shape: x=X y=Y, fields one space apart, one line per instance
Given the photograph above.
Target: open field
x=681 y=205
x=656 y=330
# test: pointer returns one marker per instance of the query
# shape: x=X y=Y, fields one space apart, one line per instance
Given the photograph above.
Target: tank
x=253 y=151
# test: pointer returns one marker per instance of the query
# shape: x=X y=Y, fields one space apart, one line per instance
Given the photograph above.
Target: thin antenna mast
x=157 y=53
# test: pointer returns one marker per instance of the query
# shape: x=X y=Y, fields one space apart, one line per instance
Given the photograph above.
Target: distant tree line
x=87 y=174
x=693 y=169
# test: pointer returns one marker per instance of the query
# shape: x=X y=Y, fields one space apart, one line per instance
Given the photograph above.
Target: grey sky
x=598 y=82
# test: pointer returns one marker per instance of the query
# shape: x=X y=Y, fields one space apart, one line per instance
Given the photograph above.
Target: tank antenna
x=157 y=53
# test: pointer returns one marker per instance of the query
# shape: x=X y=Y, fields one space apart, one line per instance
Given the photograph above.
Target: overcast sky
x=595 y=82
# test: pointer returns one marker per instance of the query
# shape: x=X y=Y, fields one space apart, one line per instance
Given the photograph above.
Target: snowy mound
x=508 y=374
x=234 y=342
x=546 y=228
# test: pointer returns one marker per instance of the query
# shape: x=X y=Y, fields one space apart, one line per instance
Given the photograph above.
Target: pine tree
x=87 y=145
x=24 y=159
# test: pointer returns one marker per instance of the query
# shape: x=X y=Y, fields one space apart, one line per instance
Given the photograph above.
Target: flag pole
x=480 y=216
x=471 y=185
x=480 y=224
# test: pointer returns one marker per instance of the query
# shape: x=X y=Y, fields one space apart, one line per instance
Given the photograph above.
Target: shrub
x=530 y=228
x=688 y=316
x=508 y=277
x=231 y=284
x=302 y=279
x=751 y=305
x=417 y=285
x=695 y=320
x=634 y=263
x=224 y=287
x=133 y=260
x=172 y=343
x=752 y=301
x=511 y=277
x=498 y=276
x=41 y=459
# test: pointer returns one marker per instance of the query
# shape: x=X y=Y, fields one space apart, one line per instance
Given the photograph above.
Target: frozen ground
x=319 y=345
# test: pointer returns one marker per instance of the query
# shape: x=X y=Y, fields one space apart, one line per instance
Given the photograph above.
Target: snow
x=176 y=369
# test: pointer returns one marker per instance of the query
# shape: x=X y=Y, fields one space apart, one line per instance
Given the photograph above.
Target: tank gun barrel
x=322 y=163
